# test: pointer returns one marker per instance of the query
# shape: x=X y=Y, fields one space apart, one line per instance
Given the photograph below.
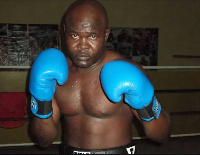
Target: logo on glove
x=34 y=106
x=156 y=106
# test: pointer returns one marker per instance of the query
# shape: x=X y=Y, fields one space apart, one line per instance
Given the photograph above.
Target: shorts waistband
x=126 y=149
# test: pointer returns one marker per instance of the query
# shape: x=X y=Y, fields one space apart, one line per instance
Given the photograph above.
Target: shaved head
x=86 y=9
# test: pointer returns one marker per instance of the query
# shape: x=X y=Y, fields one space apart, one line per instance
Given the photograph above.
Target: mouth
x=83 y=56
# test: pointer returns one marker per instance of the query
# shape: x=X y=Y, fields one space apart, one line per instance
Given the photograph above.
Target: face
x=85 y=36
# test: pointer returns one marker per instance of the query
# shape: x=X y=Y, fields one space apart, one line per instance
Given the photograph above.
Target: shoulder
x=112 y=56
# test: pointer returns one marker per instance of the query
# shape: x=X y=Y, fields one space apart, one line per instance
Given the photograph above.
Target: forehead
x=85 y=18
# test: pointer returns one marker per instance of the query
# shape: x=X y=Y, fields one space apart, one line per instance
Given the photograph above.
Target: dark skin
x=91 y=120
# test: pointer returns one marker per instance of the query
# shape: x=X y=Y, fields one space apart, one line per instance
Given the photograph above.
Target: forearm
x=44 y=130
x=158 y=129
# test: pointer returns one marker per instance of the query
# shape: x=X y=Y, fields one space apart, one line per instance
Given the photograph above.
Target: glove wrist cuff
x=151 y=111
x=42 y=109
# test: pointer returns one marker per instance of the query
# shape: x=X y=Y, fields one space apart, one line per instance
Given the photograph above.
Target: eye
x=75 y=36
x=93 y=37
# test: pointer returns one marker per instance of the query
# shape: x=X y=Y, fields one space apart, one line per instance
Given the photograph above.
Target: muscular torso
x=91 y=120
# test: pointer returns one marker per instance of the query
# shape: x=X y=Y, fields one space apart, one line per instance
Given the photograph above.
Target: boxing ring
x=184 y=142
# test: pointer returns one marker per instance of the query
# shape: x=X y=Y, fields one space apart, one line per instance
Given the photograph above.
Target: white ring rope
x=145 y=67
x=59 y=142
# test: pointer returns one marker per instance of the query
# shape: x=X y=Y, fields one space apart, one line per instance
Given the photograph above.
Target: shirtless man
x=96 y=118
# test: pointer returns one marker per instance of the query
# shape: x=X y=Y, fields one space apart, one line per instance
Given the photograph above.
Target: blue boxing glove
x=49 y=67
x=120 y=77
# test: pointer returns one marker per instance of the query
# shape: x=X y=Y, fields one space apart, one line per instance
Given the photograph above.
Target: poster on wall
x=21 y=43
x=138 y=44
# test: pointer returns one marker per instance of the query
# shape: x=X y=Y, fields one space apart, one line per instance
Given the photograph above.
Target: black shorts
x=126 y=149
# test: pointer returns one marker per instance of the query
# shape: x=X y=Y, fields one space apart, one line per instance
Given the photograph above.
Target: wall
x=177 y=20
x=178 y=23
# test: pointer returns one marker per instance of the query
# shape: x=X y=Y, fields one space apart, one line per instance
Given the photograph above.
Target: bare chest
x=84 y=96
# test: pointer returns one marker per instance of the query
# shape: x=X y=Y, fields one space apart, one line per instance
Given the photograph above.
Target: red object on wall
x=12 y=109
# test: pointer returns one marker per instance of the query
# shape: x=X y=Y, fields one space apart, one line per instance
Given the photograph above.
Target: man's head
x=86 y=31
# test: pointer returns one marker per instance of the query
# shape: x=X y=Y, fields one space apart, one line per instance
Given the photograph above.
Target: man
x=89 y=92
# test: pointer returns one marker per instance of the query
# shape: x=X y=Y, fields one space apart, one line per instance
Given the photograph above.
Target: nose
x=83 y=44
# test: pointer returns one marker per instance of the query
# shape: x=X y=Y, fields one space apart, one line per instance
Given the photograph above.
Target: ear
x=107 y=34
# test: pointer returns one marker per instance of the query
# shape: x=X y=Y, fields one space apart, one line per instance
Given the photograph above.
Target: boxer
x=101 y=95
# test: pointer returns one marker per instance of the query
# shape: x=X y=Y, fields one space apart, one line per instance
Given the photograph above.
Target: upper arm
x=134 y=111
x=56 y=111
